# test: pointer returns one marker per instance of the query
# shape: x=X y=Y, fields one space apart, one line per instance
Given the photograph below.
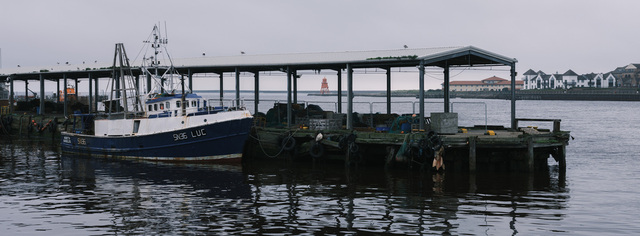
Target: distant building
x=570 y=79
x=489 y=84
x=629 y=76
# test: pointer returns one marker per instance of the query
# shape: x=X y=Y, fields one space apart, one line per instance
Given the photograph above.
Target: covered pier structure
x=526 y=149
x=440 y=57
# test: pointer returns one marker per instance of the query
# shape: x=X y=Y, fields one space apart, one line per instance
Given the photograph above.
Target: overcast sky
x=549 y=35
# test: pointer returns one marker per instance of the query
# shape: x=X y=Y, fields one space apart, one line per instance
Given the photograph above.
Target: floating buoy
x=438 y=161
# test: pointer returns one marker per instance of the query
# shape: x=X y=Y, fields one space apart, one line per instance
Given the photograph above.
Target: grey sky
x=549 y=35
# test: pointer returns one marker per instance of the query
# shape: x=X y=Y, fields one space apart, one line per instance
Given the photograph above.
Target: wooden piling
x=530 y=154
x=472 y=153
x=556 y=126
x=347 y=156
x=562 y=160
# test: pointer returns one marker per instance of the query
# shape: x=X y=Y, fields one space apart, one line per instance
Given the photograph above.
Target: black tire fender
x=354 y=148
x=288 y=143
x=316 y=150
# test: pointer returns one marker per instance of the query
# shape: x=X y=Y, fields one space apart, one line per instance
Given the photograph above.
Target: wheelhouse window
x=150 y=107
x=161 y=106
x=194 y=103
x=155 y=107
x=178 y=104
x=167 y=105
x=186 y=104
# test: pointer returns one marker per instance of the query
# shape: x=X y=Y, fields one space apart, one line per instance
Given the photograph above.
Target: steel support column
x=389 y=90
x=446 y=88
x=421 y=94
x=64 y=95
x=26 y=90
x=190 y=75
x=96 y=89
x=349 y=97
x=256 y=92
x=339 y=90
x=289 y=115
x=221 y=87
x=295 y=86
x=11 y=95
x=91 y=93
x=41 y=94
x=57 y=91
x=513 y=96
x=237 y=87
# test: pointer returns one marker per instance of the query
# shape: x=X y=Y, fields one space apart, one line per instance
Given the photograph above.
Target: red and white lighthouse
x=324 y=89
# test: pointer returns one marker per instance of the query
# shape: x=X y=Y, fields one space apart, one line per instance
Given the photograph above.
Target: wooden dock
x=524 y=149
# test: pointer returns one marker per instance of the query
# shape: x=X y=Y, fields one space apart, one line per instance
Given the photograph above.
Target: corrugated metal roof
x=307 y=58
x=452 y=56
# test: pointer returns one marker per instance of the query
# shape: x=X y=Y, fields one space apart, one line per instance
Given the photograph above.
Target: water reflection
x=302 y=197
x=166 y=198
x=41 y=190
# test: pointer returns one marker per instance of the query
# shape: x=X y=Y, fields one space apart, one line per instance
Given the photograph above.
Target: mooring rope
x=281 y=148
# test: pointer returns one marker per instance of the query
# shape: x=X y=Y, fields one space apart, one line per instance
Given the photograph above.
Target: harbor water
x=44 y=192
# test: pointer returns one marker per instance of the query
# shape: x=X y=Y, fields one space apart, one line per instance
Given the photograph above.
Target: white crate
x=325 y=124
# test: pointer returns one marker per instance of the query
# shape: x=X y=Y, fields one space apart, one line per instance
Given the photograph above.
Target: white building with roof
x=567 y=80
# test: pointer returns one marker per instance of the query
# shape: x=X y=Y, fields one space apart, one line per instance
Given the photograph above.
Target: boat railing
x=217 y=105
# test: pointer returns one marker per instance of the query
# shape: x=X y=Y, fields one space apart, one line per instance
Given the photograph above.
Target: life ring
x=288 y=143
x=316 y=150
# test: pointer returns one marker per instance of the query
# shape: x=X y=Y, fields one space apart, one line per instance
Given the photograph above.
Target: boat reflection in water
x=214 y=180
x=142 y=197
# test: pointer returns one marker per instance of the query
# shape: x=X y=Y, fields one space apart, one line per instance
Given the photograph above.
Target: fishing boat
x=160 y=120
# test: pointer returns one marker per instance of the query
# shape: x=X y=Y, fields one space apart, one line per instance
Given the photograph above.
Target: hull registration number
x=192 y=134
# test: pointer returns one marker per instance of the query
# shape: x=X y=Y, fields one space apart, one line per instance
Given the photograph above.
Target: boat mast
x=155 y=63
x=124 y=87
x=155 y=70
